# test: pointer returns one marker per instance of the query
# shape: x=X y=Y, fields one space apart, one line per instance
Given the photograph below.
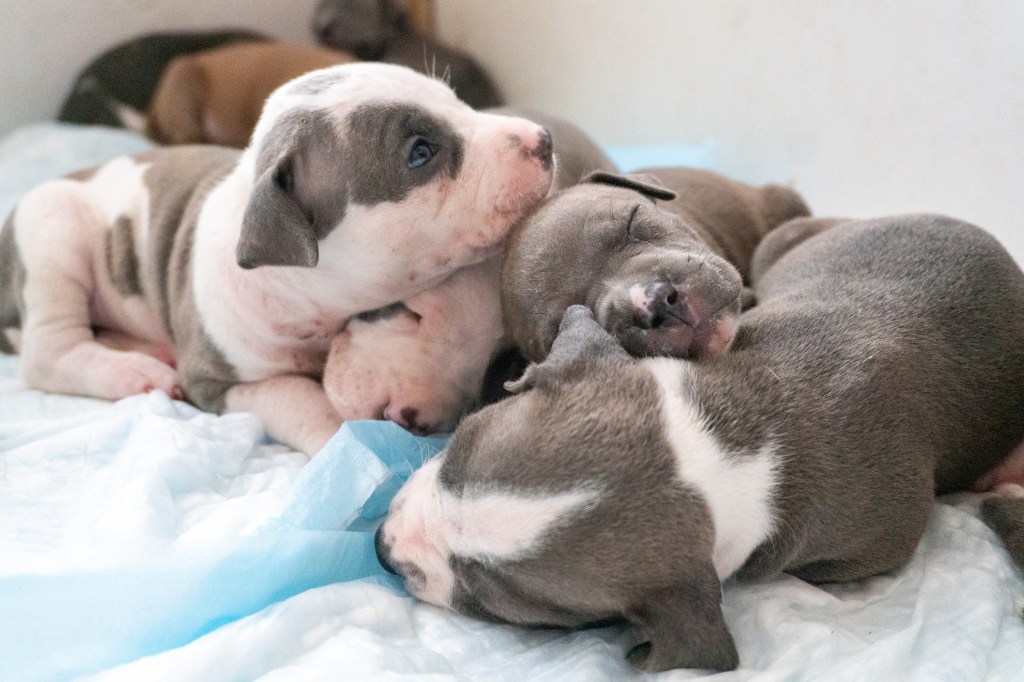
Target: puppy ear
x=275 y=231
x=579 y=336
x=645 y=184
x=684 y=628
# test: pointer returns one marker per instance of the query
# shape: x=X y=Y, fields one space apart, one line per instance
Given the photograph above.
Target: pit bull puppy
x=116 y=88
x=381 y=368
x=215 y=96
x=660 y=257
x=381 y=30
x=364 y=184
x=881 y=365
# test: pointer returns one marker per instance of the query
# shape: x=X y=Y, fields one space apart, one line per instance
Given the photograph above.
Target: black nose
x=383 y=551
x=665 y=306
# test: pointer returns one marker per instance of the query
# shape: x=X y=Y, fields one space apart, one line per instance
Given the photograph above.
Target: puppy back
x=730 y=215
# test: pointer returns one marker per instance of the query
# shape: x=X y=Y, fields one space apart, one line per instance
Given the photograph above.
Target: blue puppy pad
x=180 y=573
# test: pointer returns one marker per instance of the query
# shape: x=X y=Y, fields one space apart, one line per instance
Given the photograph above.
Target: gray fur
x=314 y=85
x=179 y=179
x=122 y=258
x=379 y=138
x=305 y=175
x=1006 y=517
x=882 y=365
x=587 y=244
x=12 y=283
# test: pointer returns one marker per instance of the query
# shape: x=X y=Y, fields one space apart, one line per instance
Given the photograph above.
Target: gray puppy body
x=881 y=365
x=665 y=277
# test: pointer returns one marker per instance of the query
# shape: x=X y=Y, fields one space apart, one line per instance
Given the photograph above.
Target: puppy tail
x=1005 y=515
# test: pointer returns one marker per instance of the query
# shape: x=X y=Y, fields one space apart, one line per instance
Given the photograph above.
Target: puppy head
x=362 y=27
x=650 y=279
x=373 y=169
x=561 y=506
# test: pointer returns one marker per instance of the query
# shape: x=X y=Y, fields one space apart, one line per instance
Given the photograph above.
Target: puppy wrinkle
x=737 y=489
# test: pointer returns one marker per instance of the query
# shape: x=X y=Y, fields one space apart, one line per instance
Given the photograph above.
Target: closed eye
x=631 y=229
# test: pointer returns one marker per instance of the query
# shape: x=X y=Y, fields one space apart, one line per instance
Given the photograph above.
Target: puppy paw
x=135 y=373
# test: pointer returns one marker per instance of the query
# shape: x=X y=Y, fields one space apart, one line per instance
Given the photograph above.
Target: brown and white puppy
x=116 y=88
x=881 y=365
x=365 y=184
x=381 y=30
x=380 y=367
x=660 y=257
x=215 y=96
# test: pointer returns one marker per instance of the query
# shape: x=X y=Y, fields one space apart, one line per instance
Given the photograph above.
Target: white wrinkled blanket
x=144 y=540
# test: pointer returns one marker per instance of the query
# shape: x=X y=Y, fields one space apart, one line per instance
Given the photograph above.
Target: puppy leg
x=293 y=409
x=58 y=348
x=423 y=366
x=118 y=341
x=1008 y=472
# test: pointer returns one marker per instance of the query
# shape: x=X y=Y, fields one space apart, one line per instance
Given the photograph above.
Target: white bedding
x=144 y=540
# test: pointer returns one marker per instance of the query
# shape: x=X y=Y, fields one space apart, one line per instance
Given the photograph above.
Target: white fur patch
x=427 y=525
x=738 y=490
x=498 y=525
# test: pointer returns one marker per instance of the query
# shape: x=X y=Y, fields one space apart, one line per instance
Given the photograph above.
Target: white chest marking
x=738 y=490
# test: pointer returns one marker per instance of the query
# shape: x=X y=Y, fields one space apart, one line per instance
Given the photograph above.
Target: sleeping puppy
x=116 y=88
x=881 y=365
x=381 y=30
x=660 y=257
x=365 y=184
x=215 y=96
x=380 y=367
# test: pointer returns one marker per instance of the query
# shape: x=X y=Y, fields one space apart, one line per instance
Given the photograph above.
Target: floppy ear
x=579 y=336
x=684 y=628
x=275 y=231
x=645 y=184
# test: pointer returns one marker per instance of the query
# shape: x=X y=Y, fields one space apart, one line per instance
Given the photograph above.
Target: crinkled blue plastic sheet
x=74 y=621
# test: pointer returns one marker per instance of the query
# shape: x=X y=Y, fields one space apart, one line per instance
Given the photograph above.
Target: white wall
x=868 y=107
x=45 y=43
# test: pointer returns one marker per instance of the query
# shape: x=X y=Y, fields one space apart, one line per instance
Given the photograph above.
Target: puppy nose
x=665 y=306
x=383 y=551
x=543 y=151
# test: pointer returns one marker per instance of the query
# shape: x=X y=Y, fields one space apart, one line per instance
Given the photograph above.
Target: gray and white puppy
x=364 y=184
x=381 y=368
x=883 y=364
x=659 y=256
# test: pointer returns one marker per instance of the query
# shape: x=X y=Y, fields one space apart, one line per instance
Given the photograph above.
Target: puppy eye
x=420 y=153
x=632 y=228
